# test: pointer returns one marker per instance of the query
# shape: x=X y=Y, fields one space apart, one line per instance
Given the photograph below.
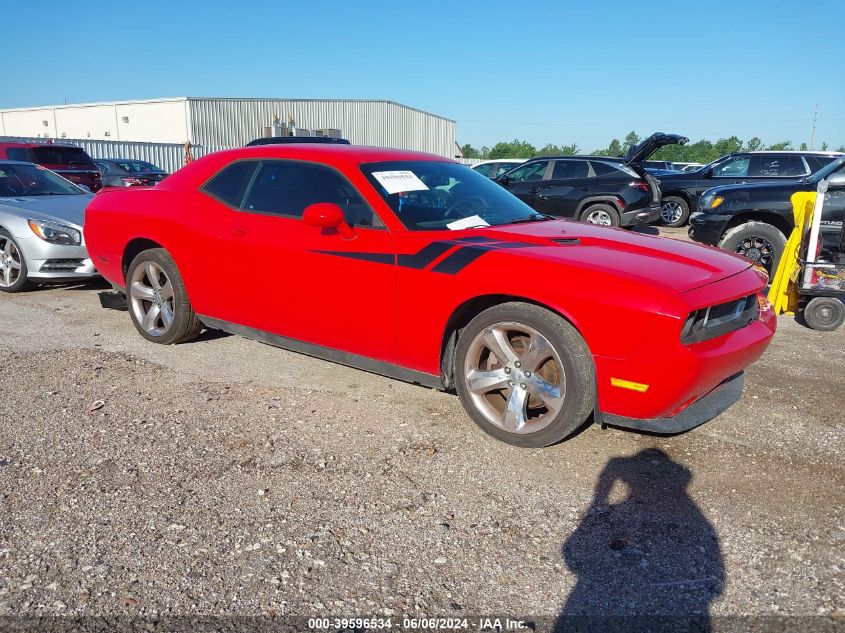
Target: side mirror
x=504 y=179
x=327 y=215
x=708 y=173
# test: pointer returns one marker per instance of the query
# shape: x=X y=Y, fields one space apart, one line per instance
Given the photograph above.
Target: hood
x=57 y=208
x=682 y=266
x=646 y=148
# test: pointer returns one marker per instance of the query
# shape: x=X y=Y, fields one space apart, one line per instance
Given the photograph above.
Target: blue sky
x=565 y=72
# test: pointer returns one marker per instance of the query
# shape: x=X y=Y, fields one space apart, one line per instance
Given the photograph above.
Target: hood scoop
x=566 y=241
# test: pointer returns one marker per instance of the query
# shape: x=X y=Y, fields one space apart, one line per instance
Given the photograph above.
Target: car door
x=278 y=275
x=524 y=181
x=570 y=182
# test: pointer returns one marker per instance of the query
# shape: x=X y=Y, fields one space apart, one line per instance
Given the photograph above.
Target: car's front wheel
x=13 y=270
x=760 y=242
x=674 y=211
x=158 y=303
x=524 y=375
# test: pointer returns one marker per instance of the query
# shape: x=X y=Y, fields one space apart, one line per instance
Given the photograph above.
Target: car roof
x=25 y=144
x=348 y=156
x=808 y=152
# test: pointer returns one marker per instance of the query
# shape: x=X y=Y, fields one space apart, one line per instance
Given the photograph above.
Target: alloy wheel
x=515 y=377
x=10 y=262
x=671 y=212
x=599 y=217
x=757 y=250
x=151 y=298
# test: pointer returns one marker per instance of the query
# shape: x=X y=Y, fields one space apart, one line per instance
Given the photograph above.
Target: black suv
x=755 y=220
x=681 y=190
x=595 y=189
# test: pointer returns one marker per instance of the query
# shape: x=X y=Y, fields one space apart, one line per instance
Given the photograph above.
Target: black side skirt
x=327 y=353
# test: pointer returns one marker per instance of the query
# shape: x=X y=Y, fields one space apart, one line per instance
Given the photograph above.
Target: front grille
x=720 y=319
x=61 y=265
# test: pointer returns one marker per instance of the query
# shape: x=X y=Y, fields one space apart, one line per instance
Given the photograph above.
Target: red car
x=416 y=267
x=69 y=161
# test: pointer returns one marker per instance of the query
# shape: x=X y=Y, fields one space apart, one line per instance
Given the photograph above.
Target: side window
x=18 y=153
x=565 y=169
x=776 y=166
x=733 y=167
x=605 y=169
x=817 y=162
x=532 y=171
x=286 y=188
x=230 y=184
x=103 y=167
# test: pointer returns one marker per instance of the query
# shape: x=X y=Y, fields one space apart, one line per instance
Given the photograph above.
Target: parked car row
x=74 y=164
x=740 y=202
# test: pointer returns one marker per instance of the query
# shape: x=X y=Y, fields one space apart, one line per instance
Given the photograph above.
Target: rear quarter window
x=229 y=185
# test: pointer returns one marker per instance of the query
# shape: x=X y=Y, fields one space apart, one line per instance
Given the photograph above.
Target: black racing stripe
x=423 y=258
x=477 y=238
x=379 y=258
x=460 y=259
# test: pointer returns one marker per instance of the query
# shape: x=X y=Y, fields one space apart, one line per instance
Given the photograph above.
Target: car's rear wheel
x=760 y=242
x=13 y=270
x=674 y=211
x=824 y=313
x=158 y=303
x=524 y=375
x=602 y=214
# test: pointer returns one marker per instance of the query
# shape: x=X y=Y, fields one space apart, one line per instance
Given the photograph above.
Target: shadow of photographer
x=646 y=557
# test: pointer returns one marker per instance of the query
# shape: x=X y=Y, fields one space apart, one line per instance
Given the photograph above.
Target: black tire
x=577 y=366
x=682 y=204
x=599 y=207
x=22 y=282
x=186 y=325
x=825 y=314
x=743 y=238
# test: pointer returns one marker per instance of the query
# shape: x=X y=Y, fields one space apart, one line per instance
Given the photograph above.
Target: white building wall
x=234 y=122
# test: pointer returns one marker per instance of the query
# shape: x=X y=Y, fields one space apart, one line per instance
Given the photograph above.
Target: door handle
x=585 y=188
x=238 y=231
x=534 y=190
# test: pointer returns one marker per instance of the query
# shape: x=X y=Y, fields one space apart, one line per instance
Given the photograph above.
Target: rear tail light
x=642 y=185
x=129 y=181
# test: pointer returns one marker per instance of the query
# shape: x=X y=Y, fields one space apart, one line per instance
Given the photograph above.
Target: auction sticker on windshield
x=397 y=181
x=467 y=223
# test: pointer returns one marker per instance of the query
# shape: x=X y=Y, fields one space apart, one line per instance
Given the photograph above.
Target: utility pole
x=813 y=136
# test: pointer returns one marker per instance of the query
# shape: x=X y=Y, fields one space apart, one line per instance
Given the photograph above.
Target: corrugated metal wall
x=235 y=122
x=168 y=156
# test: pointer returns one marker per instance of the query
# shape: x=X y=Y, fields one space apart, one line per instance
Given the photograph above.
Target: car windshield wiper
x=537 y=217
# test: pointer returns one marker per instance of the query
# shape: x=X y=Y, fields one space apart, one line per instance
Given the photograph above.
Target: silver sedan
x=41 y=218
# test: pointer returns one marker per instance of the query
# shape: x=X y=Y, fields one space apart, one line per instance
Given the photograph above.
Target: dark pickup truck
x=755 y=220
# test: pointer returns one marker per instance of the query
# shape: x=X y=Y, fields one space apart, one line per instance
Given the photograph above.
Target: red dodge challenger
x=416 y=267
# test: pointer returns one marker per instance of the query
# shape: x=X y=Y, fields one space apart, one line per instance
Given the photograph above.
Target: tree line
x=702 y=151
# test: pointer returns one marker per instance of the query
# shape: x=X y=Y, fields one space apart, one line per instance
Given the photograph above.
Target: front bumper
x=707 y=228
x=55 y=262
x=645 y=215
x=702 y=410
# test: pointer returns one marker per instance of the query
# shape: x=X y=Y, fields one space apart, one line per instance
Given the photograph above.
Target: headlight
x=55 y=233
x=710 y=201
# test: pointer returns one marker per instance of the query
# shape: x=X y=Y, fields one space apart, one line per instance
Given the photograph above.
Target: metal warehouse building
x=234 y=122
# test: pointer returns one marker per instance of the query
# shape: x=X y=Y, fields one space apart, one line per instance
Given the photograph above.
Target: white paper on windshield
x=396 y=181
x=466 y=223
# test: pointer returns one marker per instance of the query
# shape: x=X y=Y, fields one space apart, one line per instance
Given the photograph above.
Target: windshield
x=827 y=171
x=136 y=166
x=61 y=156
x=431 y=195
x=33 y=180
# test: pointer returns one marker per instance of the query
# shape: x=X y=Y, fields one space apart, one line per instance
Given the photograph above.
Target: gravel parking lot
x=227 y=477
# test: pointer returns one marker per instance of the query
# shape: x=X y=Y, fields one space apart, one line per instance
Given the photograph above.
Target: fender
x=611 y=200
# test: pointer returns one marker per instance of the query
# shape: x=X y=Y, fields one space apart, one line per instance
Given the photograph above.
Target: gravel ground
x=225 y=477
